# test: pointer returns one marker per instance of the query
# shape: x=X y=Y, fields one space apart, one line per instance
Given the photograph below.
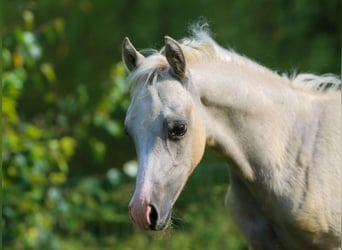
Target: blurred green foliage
x=42 y=130
x=67 y=167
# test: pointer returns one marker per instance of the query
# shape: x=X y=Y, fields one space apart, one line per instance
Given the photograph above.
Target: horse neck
x=248 y=113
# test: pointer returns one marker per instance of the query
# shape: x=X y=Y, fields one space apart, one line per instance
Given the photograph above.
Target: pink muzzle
x=139 y=213
x=139 y=206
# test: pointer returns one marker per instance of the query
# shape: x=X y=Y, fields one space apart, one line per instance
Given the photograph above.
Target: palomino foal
x=281 y=136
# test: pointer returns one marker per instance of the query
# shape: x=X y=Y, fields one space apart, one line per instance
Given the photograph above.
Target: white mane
x=201 y=47
x=202 y=41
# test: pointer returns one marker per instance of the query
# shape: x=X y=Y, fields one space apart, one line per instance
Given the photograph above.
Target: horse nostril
x=153 y=218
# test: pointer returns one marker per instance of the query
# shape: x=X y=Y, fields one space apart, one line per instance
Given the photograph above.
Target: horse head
x=166 y=128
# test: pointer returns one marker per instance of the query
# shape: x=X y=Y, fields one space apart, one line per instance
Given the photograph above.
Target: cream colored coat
x=280 y=135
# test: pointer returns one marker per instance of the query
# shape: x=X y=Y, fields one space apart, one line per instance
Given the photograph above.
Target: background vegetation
x=68 y=169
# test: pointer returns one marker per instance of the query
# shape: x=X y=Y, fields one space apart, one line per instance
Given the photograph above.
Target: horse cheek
x=198 y=143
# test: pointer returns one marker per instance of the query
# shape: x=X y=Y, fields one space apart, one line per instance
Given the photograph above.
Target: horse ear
x=175 y=57
x=130 y=56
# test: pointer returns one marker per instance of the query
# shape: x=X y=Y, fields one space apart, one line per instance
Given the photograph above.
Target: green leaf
x=48 y=72
x=113 y=128
x=68 y=145
x=6 y=58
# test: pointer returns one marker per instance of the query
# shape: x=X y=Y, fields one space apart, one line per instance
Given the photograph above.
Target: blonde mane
x=201 y=47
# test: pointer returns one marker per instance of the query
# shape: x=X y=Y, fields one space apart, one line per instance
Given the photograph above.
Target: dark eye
x=177 y=130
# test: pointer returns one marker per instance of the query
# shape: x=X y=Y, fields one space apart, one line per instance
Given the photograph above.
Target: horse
x=280 y=134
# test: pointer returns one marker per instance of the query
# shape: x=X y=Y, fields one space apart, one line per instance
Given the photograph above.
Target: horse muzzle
x=148 y=216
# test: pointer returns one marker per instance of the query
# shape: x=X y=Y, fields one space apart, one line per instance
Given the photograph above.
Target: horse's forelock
x=146 y=70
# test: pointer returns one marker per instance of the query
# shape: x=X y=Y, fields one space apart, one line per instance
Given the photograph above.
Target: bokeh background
x=67 y=167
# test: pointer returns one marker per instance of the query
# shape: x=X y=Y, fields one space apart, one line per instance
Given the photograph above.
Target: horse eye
x=177 y=130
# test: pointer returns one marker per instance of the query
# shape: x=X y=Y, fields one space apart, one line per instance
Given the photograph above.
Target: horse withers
x=280 y=134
